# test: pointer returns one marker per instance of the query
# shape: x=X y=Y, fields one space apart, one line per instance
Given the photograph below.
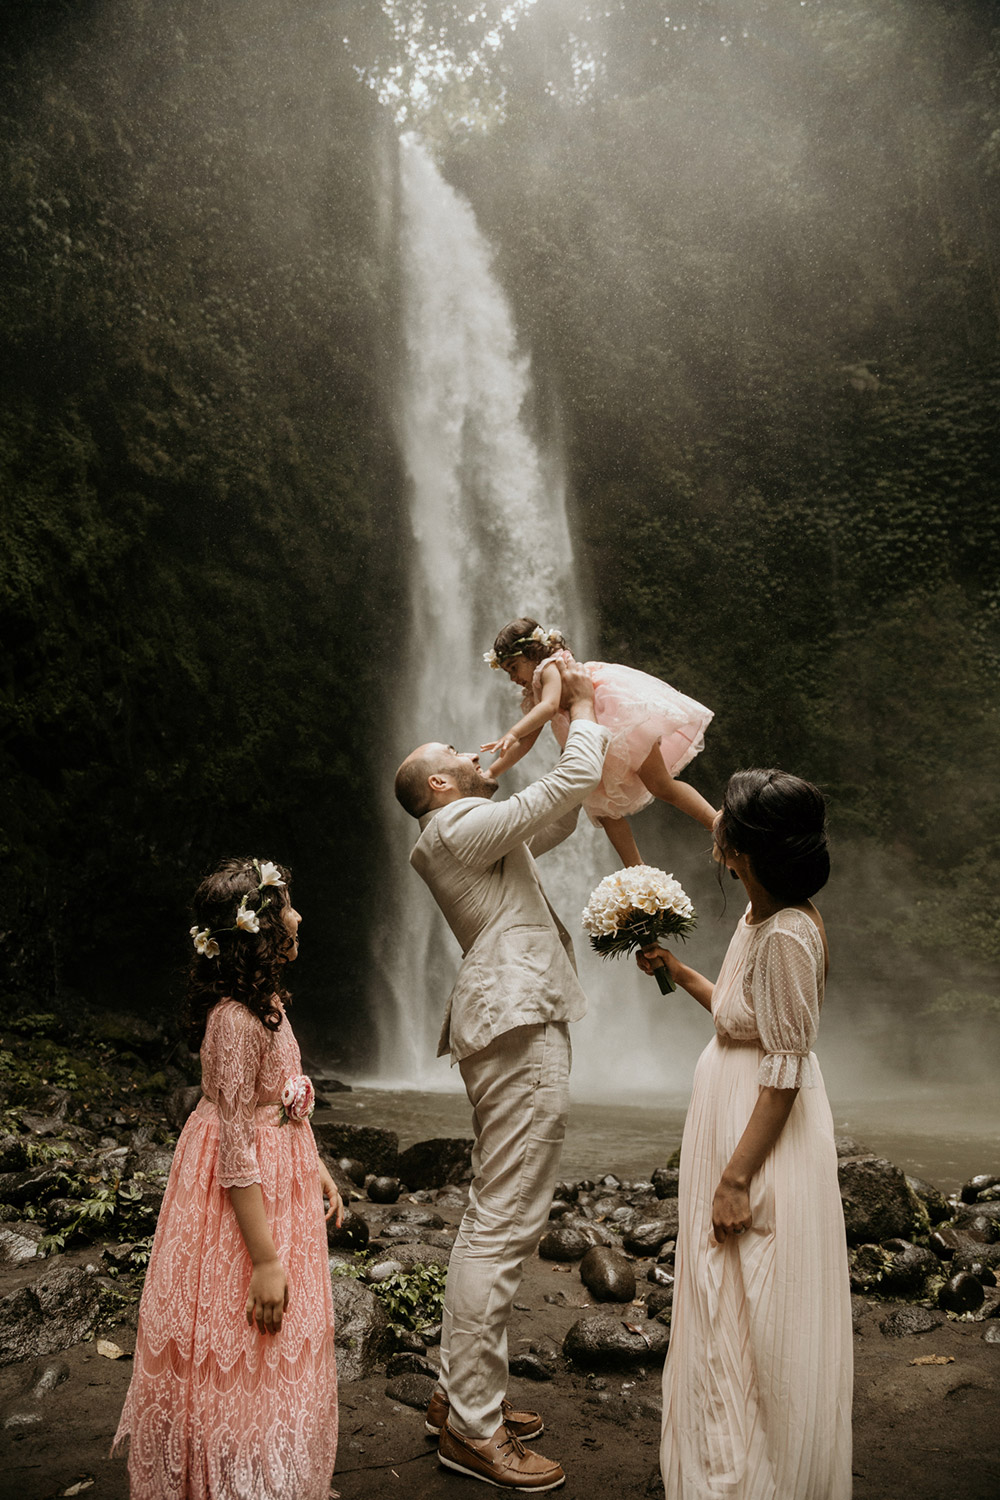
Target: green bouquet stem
x=660 y=971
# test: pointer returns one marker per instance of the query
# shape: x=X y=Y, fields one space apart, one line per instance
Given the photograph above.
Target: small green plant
x=413 y=1298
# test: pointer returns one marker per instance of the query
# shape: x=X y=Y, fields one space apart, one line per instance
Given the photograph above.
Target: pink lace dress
x=216 y=1410
x=641 y=711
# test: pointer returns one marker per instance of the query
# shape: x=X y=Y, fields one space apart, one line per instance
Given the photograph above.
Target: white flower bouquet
x=633 y=909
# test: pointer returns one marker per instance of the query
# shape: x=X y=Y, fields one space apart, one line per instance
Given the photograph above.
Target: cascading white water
x=490 y=541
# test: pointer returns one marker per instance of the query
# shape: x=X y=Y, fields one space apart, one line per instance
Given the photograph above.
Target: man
x=507 y=1027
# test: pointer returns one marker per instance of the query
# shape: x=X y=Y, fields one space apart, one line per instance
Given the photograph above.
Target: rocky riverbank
x=82 y=1172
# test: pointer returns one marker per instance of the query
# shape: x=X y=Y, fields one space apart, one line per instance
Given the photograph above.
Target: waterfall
x=491 y=541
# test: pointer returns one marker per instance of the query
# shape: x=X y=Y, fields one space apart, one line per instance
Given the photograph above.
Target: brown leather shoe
x=502 y=1461
x=523 y=1424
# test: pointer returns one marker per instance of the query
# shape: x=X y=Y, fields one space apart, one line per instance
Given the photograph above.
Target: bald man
x=506 y=1025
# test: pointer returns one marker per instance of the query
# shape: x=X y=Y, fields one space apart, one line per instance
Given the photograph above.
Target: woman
x=757 y=1383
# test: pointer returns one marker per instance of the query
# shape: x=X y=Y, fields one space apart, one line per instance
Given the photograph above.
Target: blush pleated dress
x=640 y=711
x=758 y=1379
x=215 y=1410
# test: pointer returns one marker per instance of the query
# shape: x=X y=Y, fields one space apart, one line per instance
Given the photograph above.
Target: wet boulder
x=665 y=1181
x=539 y=1361
x=419 y=1253
x=19 y=1241
x=560 y=1208
x=436 y=1163
x=50 y=1314
x=607 y=1274
x=946 y=1241
x=605 y=1342
x=936 y=1205
x=877 y=1202
x=909 y=1319
x=352 y=1169
x=977 y=1187
x=847 y=1146
x=13 y=1153
x=384 y=1189
x=908 y=1267
x=648 y=1233
x=660 y=1302
x=362 y=1329
x=353 y=1233
x=564 y=1242
x=971 y=1257
x=376 y=1149
x=962 y=1293
x=417 y=1216
x=412 y=1389
x=409 y=1362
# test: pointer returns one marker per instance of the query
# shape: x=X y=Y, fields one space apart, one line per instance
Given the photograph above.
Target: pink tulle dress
x=217 y=1410
x=641 y=711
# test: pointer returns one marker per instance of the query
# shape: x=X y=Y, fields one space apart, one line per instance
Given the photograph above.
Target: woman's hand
x=331 y=1193
x=730 y=1209
x=267 y=1299
x=650 y=958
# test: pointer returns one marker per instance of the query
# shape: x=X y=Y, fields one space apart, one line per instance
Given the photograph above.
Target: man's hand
x=577 y=690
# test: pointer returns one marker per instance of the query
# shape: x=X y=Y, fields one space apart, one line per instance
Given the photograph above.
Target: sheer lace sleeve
x=231 y=1061
x=786 y=997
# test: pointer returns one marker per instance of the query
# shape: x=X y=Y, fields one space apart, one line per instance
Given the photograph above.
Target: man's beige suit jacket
x=478 y=859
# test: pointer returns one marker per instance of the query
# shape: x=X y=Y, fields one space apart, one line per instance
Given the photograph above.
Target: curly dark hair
x=512 y=641
x=779 y=820
x=249 y=965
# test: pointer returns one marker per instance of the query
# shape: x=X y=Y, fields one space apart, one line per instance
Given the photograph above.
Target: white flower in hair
x=492 y=660
x=204 y=942
x=269 y=874
x=246 y=920
x=538 y=634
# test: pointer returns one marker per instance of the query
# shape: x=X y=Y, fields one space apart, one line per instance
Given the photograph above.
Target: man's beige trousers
x=519 y=1090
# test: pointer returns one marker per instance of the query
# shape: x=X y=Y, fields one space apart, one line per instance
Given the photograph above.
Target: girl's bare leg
x=657 y=779
x=620 y=834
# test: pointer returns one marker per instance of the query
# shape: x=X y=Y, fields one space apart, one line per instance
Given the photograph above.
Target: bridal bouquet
x=633 y=909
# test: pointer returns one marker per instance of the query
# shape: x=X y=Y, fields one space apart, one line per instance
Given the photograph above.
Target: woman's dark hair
x=249 y=965
x=779 y=820
x=514 y=640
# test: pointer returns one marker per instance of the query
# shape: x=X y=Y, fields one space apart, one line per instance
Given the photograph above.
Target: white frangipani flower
x=269 y=874
x=204 y=942
x=246 y=920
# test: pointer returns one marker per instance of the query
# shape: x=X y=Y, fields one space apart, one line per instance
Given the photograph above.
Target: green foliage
x=415 y=1298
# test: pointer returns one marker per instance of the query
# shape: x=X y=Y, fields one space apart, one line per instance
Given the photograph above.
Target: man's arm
x=480 y=833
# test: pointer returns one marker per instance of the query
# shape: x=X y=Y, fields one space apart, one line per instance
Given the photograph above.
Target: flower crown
x=245 y=919
x=552 y=638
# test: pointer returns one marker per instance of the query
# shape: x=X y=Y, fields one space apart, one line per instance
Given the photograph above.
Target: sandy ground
x=922 y=1432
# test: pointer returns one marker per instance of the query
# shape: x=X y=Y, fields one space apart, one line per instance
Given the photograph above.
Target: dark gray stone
x=419 y=1253
x=992 y=1334
x=384 y=1189
x=970 y=1256
x=53 y=1313
x=604 y=1342
x=417 y=1215
x=362 y=1329
x=909 y=1267
x=607 y=1274
x=647 y=1233
x=963 y=1293
x=382 y=1268
x=408 y=1362
x=946 y=1241
x=353 y=1233
x=665 y=1181
x=412 y=1390
x=528 y=1366
x=908 y=1319
x=353 y=1169
x=434 y=1164
x=660 y=1276
x=847 y=1146
x=972 y=1190
x=560 y=1208
x=659 y=1301
x=934 y=1201
x=180 y=1103
x=13 y=1153
x=564 y=1243
x=877 y=1202
x=19 y=1241
x=377 y=1149
x=567 y=1191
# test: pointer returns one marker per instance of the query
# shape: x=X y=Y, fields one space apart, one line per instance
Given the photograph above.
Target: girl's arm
x=731 y=1204
x=510 y=750
x=700 y=988
x=267 y=1298
x=528 y=728
x=330 y=1191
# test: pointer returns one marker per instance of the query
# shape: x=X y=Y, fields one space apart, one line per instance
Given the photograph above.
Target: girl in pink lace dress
x=656 y=730
x=234 y=1390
